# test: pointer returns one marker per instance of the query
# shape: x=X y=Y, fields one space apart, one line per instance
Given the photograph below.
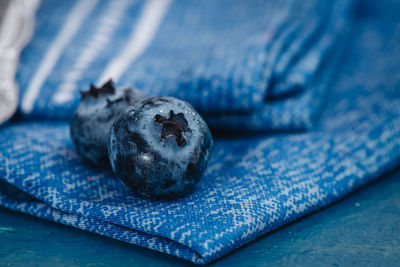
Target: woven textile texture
x=311 y=89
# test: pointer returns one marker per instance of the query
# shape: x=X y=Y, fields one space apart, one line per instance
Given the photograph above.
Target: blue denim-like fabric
x=242 y=73
x=225 y=58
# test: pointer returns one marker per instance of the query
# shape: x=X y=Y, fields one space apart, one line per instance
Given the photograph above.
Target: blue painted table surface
x=362 y=229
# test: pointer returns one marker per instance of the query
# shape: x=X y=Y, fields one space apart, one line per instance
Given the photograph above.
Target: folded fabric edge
x=317 y=48
x=132 y=236
x=299 y=111
x=299 y=50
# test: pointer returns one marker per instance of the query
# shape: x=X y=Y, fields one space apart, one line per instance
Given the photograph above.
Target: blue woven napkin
x=246 y=66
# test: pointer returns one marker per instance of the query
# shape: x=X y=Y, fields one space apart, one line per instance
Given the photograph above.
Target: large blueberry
x=91 y=123
x=159 y=147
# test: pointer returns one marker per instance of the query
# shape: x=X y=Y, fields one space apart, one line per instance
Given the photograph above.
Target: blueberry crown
x=174 y=126
x=106 y=89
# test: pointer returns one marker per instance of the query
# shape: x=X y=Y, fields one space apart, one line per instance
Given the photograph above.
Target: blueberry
x=91 y=123
x=159 y=147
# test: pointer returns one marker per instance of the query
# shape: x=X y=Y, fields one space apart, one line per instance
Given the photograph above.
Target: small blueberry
x=91 y=123
x=159 y=147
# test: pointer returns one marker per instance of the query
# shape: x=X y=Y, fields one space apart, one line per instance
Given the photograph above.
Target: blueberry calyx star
x=174 y=126
x=106 y=88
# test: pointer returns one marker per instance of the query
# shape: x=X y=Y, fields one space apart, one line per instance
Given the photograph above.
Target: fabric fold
x=222 y=57
x=18 y=200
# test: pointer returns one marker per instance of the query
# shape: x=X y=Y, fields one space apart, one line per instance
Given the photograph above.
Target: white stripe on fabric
x=109 y=21
x=74 y=20
x=141 y=36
